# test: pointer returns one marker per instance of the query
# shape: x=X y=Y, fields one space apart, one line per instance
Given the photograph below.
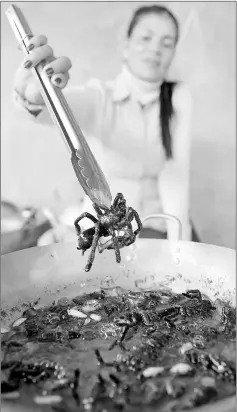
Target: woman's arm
x=86 y=103
x=174 y=179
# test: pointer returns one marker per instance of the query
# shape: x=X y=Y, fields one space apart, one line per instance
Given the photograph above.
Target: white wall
x=34 y=159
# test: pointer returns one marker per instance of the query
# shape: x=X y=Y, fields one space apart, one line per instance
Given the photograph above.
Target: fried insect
x=109 y=221
x=145 y=326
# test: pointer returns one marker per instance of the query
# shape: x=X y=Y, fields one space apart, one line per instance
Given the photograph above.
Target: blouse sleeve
x=86 y=103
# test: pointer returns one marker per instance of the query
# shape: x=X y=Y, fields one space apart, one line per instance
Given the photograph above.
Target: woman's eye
x=168 y=45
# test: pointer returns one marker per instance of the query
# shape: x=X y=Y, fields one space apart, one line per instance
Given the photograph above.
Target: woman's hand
x=56 y=68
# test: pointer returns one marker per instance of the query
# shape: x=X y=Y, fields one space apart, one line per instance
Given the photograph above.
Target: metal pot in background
x=21 y=228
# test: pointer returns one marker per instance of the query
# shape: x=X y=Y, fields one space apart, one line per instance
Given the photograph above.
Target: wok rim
x=139 y=240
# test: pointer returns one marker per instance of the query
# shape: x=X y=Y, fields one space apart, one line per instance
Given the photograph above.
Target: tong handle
x=87 y=170
x=53 y=97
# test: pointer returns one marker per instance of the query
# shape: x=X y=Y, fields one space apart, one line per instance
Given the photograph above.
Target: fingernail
x=27 y=64
x=31 y=46
x=58 y=80
x=49 y=71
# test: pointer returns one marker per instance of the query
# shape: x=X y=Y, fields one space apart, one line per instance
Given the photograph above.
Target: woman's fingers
x=59 y=65
x=41 y=52
x=37 y=56
x=57 y=70
x=35 y=41
x=60 y=80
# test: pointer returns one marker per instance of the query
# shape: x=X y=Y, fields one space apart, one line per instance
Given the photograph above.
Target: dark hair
x=155 y=9
x=166 y=91
x=166 y=114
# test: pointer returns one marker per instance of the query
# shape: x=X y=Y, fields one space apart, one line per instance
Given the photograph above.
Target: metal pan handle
x=177 y=233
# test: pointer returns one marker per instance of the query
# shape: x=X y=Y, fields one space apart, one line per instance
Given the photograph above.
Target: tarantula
x=109 y=221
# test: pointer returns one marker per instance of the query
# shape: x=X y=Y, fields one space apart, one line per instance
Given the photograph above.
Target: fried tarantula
x=118 y=218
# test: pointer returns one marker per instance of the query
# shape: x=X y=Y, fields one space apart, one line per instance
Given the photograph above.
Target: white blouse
x=121 y=122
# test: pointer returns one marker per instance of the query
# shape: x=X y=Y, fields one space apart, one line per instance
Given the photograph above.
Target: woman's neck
x=141 y=90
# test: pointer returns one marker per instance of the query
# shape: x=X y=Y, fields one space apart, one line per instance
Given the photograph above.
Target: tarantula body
x=109 y=222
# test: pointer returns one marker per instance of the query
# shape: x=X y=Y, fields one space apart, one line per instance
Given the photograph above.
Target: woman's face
x=151 y=46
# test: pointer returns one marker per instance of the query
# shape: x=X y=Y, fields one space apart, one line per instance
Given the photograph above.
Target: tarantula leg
x=93 y=247
x=97 y=209
x=135 y=215
x=115 y=379
x=127 y=219
x=169 y=323
x=126 y=241
x=120 y=340
x=117 y=198
x=128 y=238
x=122 y=241
x=116 y=247
x=101 y=360
x=74 y=386
x=103 y=246
x=193 y=294
x=131 y=213
x=82 y=216
x=110 y=245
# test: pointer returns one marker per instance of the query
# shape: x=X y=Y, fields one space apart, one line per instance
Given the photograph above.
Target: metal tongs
x=85 y=166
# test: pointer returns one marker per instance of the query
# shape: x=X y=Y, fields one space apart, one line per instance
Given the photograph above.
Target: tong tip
x=101 y=199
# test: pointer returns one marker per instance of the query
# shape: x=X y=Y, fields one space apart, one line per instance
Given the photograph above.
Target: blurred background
x=35 y=166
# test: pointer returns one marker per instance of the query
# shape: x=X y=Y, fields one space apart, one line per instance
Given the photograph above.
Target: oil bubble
x=107 y=282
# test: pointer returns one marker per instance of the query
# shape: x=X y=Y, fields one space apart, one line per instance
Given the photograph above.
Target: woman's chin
x=150 y=76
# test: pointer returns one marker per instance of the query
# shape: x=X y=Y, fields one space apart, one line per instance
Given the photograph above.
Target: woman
x=138 y=125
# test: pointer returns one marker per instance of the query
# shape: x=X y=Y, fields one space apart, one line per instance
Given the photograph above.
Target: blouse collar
x=127 y=85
